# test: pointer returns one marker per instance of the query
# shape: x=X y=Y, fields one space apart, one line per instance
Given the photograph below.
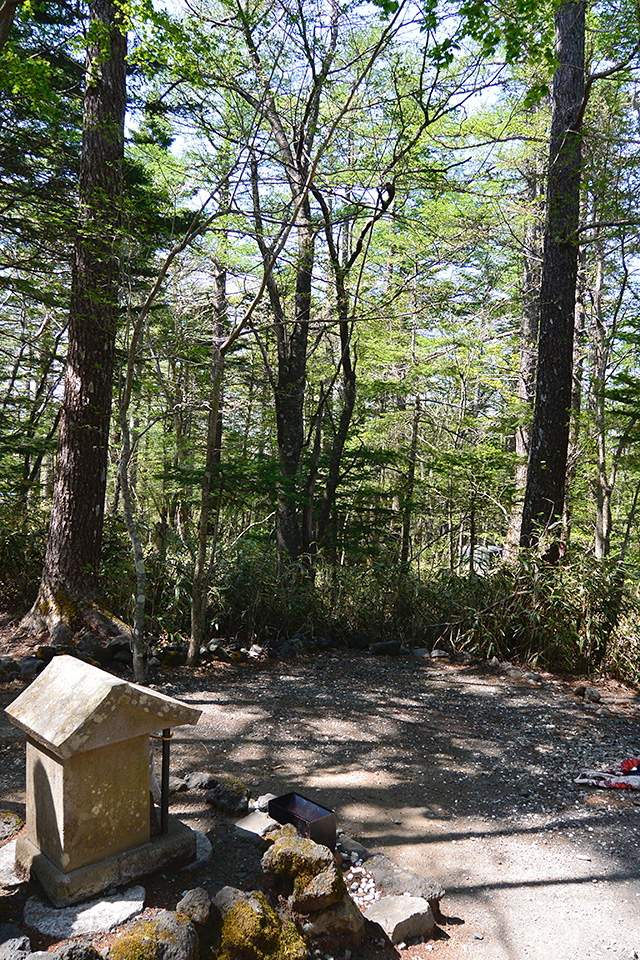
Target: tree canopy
x=341 y=250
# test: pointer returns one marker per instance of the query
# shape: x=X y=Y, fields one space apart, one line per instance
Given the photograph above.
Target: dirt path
x=458 y=773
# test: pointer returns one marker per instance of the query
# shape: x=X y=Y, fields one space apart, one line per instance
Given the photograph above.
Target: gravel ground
x=459 y=773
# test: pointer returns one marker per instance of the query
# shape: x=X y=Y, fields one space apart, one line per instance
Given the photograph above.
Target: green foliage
x=574 y=617
x=22 y=543
x=578 y=617
x=117 y=574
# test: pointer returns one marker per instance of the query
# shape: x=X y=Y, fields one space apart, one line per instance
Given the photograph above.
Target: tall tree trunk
x=532 y=243
x=576 y=391
x=212 y=457
x=289 y=395
x=7 y=13
x=72 y=559
x=409 y=486
x=544 y=495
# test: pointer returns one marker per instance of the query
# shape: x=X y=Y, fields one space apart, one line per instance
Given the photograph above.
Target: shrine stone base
x=176 y=848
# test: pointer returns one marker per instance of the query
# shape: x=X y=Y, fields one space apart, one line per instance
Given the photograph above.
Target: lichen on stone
x=252 y=930
x=307 y=869
x=139 y=943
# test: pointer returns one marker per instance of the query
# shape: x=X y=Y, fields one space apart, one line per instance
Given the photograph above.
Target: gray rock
x=9 y=669
x=226 y=899
x=177 y=784
x=167 y=936
x=592 y=695
x=218 y=652
x=46 y=652
x=512 y=672
x=341 y=923
x=29 y=666
x=79 y=950
x=256 y=827
x=90 y=646
x=196 y=906
x=421 y=653
x=349 y=847
x=387 y=648
x=402 y=918
x=395 y=881
x=262 y=803
x=118 y=643
x=13 y=943
x=200 y=780
x=61 y=635
x=125 y=657
x=8 y=876
x=233 y=800
x=10 y=823
x=438 y=654
x=84 y=919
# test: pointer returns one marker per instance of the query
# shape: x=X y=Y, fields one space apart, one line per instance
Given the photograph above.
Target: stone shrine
x=88 y=803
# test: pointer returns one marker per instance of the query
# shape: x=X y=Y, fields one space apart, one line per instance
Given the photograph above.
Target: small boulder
x=217 y=652
x=200 y=780
x=252 y=930
x=387 y=648
x=232 y=798
x=438 y=654
x=13 y=943
x=196 y=907
x=394 y=880
x=29 y=666
x=592 y=695
x=165 y=936
x=9 y=669
x=89 y=648
x=61 y=635
x=257 y=827
x=79 y=950
x=307 y=867
x=10 y=823
x=402 y=918
x=177 y=784
x=341 y=924
x=46 y=653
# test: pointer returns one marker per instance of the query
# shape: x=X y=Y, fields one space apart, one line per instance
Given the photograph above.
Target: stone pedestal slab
x=176 y=847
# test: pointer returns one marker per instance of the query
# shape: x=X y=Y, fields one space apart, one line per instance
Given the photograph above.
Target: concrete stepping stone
x=402 y=918
x=84 y=919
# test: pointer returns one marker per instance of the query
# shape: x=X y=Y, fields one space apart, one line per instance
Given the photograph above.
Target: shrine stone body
x=88 y=805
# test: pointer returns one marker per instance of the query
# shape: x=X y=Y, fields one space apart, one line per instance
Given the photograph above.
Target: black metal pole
x=164 y=792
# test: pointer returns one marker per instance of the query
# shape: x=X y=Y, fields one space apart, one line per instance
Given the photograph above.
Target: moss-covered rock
x=252 y=930
x=166 y=936
x=306 y=870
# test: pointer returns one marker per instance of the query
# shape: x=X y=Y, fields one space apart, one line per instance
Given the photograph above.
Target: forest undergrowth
x=581 y=616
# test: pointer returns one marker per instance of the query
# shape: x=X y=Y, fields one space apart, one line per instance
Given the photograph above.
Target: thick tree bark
x=70 y=575
x=201 y=573
x=532 y=243
x=544 y=496
x=579 y=334
x=289 y=395
x=7 y=13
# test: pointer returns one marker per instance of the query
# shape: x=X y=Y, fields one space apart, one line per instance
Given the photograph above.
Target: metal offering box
x=309 y=818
